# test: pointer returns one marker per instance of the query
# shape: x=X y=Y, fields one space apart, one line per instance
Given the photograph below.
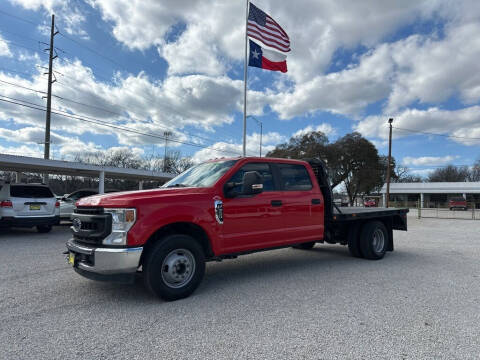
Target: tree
x=403 y=175
x=352 y=160
x=312 y=144
x=450 y=174
x=355 y=161
x=475 y=172
x=174 y=164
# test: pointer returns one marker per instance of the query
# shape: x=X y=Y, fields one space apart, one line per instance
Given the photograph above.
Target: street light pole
x=261 y=133
x=389 y=162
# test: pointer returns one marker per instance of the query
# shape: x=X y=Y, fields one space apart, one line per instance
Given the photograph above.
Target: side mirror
x=252 y=183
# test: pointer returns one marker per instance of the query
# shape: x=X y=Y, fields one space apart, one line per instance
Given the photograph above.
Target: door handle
x=276 y=202
x=316 y=201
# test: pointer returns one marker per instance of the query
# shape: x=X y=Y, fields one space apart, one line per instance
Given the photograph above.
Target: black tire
x=43 y=229
x=354 y=242
x=305 y=246
x=178 y=250
x=374 y=240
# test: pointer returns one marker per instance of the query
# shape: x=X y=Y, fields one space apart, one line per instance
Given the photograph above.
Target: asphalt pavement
x=420 y=302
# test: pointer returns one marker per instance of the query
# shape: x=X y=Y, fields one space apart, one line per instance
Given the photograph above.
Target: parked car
x=369 y=203
x=457 y=203
x=28 y=205
x=67 y=202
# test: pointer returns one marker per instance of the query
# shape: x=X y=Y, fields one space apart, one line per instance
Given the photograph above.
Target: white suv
x=28 y=205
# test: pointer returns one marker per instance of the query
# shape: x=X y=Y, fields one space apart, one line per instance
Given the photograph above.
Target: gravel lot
x=420 y=302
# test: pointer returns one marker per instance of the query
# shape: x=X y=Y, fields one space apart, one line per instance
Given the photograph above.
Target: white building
x=431 y=194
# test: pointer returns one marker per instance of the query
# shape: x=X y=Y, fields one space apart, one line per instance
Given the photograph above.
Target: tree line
x=174 y=163
x=354 y=161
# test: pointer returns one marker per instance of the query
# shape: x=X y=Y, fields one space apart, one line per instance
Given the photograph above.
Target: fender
x=149 y=221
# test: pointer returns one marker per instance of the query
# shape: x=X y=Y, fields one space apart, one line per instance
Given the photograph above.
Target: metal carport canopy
x=36 y=165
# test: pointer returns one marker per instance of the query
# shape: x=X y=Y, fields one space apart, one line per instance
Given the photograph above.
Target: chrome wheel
x=178 y=268
x=378 y=242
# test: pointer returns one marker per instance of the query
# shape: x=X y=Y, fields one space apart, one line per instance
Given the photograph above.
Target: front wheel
x=174 y=267
x=44 y=228
x=374 y=240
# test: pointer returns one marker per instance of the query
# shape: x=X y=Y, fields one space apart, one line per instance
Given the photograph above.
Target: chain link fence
x=445 y=213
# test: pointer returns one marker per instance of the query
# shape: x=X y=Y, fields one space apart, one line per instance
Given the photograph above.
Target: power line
x=91 y=50
x=15 y=71
x=19 y=35
x=106 y=110
x=18 y=18
x=25 y=47
x=99 y=122
x=436 y=134
x=23 y=87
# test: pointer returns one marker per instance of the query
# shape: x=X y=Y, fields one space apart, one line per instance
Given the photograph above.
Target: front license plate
x=34 y=207
x=71 y=259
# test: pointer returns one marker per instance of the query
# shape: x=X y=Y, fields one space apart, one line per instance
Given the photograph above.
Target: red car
x=457 y=203
x=369 y=203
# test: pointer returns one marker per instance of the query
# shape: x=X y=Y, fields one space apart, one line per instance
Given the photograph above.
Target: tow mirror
x=252 y=183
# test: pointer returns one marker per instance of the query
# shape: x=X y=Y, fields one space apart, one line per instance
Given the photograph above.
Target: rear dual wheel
x=372 y=242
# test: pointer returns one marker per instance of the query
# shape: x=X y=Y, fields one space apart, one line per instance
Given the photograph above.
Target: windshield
x=202 y=175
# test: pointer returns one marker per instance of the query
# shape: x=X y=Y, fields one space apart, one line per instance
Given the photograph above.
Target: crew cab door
x=303 y=206
x=254 y=221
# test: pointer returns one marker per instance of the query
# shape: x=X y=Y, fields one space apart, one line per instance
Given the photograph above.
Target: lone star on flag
x=255 y=54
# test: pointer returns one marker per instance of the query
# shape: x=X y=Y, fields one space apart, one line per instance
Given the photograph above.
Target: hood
x=133 y=198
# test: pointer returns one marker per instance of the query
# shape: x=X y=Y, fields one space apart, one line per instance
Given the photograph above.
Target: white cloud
x=431 y=70
x=462 y=125
x=345 y=92
x=428 y=160
x=136 y=102
x=317 y=28
x=67 y=12
x=4 y=49
x=325 y=128
x=225 y=149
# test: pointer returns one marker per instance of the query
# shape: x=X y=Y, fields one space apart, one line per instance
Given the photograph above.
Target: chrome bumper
x=105 y=261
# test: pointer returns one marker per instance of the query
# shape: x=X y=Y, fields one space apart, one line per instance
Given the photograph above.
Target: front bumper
x=102 y=263
x=29 y=221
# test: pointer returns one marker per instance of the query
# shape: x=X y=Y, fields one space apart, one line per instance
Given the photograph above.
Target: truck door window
x=294 y=177
x=262 y=168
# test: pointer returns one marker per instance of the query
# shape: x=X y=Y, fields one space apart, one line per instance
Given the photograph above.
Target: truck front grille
x=91 y=225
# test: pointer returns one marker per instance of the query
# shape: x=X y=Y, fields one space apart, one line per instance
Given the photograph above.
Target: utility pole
x=49 y=93
x=166 y=134
x=389 y=165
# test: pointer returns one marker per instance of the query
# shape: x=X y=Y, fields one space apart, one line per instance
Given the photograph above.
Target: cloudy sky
x=144 y=67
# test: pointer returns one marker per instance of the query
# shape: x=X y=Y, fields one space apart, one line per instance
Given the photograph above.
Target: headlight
x=122 y=221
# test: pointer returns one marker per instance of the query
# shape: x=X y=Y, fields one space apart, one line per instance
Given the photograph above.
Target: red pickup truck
x=218 y=210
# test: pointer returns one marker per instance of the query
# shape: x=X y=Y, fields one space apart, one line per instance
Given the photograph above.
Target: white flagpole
x=245 y=86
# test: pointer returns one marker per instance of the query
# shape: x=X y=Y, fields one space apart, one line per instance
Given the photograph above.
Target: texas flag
x=266 y=59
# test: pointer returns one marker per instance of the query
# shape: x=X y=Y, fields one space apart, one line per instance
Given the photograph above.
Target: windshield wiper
x=178 y=185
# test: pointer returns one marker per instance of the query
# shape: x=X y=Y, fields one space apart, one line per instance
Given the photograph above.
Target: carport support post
x=140 y=185
x=422 y=201
x=101 y=183
x=18 y=177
